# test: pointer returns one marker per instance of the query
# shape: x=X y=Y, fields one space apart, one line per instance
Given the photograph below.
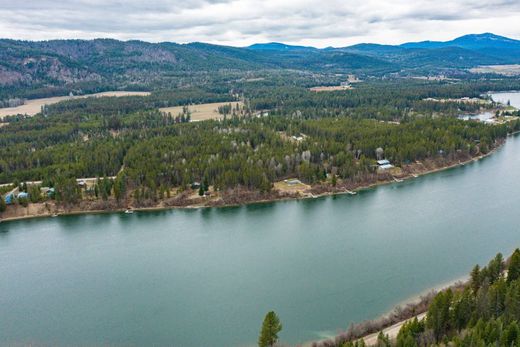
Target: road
x=391 y=331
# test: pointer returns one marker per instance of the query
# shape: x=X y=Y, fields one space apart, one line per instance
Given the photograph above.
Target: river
x=207 y=277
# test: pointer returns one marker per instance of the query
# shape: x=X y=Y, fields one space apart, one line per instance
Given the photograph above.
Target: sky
x=319 y=23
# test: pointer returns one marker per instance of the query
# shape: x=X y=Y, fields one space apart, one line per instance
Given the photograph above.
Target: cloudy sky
x=243 y=22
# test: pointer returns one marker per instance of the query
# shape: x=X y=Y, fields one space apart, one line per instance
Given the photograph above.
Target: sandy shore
x=393 y=329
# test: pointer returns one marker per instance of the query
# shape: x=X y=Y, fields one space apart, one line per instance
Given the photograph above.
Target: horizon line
x=252 y=44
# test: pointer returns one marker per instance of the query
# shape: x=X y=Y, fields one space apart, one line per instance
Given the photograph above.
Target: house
x=195 y=185
x=9 y=198
x=23 y=195
x=385 y=167
x=293 y=182
x=384 y=164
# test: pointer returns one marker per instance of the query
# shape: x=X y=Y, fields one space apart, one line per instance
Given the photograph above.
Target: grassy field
x=32 y=107
x=202 y=111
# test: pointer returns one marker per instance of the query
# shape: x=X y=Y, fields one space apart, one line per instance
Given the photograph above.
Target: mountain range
x=62 y=62
x=465 y=51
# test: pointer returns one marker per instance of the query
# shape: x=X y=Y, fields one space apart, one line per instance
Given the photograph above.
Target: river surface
x=207 y=277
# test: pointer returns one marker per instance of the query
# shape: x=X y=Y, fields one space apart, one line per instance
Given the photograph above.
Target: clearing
x=330 y=88
x=34 y=106
x=506 y=70
x=202 y=111
x=291 y=185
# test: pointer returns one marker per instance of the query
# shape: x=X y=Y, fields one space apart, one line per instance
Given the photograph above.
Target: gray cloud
x=241 y=22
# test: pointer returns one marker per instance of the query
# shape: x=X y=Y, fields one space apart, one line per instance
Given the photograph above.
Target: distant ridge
x=463 y=51
x=79 y=64
x=471 y=41
x=277 y=46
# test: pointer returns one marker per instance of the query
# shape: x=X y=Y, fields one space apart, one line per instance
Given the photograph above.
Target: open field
x=506 y=70
x=32 y=107
x=202 y=111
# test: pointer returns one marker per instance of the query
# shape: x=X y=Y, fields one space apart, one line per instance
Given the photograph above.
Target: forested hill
x=88 y=64
x=72 y=61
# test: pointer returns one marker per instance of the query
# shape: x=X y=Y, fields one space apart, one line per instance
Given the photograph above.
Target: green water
x=207 y=277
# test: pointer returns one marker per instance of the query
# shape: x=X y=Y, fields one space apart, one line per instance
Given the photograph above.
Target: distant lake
x=504 y=97
x=207 y=277
x=481 y=116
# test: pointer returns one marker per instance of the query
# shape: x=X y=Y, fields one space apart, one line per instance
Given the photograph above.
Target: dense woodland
x=337 y=135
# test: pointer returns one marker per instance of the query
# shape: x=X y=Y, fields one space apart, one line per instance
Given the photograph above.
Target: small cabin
x=9 y=199
x=293 y=182
x=385 y=167
x=384 y=164
x=23 y=195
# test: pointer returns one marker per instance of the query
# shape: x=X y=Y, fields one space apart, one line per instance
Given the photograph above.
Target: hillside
x=47 y=68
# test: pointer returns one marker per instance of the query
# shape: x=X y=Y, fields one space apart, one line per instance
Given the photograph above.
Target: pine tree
x=3 y=206
x=475 y=278
x=270 y=329
x=334 y=180
x=514 y=266
x=383 y=340
x=439 y=313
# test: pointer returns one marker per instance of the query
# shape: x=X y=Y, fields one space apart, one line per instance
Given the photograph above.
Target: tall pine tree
x=514 y=266
x=270 y=329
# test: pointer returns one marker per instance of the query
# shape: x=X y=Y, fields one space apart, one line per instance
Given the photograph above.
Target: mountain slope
x=471 y=42
x=505 y=49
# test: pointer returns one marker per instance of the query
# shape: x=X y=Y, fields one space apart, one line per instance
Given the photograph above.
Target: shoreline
x=392 y=329
x=294 y=197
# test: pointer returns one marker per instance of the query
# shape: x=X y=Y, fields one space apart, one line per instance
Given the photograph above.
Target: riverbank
x=239 y=197
x=391 y=322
